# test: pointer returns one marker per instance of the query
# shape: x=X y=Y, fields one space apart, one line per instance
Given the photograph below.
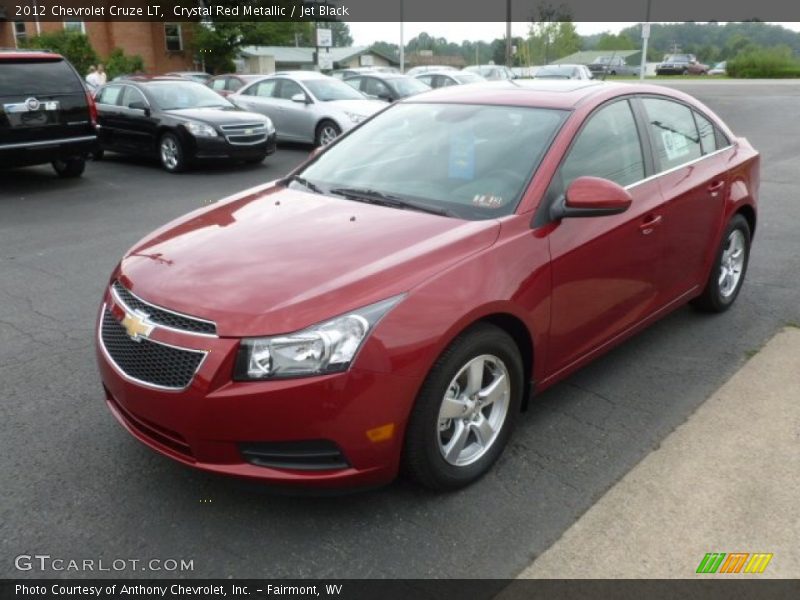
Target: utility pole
x=508 y=33
x=645 y=37
x=402 y=42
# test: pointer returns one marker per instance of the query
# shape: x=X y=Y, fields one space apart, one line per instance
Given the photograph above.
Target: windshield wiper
x=305 y=183
x=371 y=196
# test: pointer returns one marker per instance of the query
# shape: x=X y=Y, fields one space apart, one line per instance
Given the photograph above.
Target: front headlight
x=325 y=348
x=270 y=126
x=355 y=117
x=200 y=129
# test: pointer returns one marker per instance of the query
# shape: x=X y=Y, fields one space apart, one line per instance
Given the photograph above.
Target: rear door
x=108 y=115
x=694 y=182
x=41 y=99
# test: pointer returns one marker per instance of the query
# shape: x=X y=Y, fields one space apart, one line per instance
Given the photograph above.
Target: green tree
x=72 y=45
x=119 y=63
x=609 y=41
x=340 y=33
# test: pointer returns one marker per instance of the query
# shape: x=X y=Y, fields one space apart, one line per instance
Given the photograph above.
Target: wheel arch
x=749 y=213
x=519 y=332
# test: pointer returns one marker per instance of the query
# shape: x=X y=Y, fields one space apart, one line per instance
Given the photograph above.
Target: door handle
x=650 y=223
x=715 y=187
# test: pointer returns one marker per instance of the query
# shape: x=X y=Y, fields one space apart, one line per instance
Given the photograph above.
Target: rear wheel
x=70 y=167
x=727 y=275
x=466 y=410
x=327 y=131
x=170 y=151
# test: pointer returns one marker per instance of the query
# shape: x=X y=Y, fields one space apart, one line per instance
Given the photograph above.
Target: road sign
x=325 y=61
x=324 y=38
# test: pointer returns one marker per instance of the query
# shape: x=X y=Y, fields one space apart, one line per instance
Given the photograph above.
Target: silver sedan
x=306 y=106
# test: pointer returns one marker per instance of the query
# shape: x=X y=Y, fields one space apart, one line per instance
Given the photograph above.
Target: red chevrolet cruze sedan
x=395 y=300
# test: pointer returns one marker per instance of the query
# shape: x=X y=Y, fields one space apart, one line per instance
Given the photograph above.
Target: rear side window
x=674 y=132
x=37 y=78
x=219 y=84
x=109 y=95
x=708 y=139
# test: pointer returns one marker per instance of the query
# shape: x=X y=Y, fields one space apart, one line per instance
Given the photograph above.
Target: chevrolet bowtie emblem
x=248 y=131
x=137 y=325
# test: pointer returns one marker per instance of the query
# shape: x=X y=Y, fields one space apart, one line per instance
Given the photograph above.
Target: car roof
x=563 y=93
x=302 y=75
x=13 y=54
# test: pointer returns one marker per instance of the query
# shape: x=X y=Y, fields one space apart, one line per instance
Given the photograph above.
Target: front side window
x=608 y=146
x=131 y=95
x=173 y=36
x=219 y=84
x=354 y=82
x=472 y=161
x=375 y=87
x=289 y=88
x=673 y=131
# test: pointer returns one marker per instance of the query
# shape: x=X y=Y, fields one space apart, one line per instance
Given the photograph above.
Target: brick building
x=163 y=46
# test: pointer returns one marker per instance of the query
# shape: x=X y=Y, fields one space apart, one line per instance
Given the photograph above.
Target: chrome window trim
x=56 y=142
x=127 y=377
x=130 y=309
x=681 y=166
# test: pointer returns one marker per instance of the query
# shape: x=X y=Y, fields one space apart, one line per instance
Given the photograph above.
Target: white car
x=306 y=106
x=437 y=79
x=563 y=72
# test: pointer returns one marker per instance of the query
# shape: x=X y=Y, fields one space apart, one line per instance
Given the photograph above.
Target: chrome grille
x=146 y=361
x=245 y=134
x=161 y=316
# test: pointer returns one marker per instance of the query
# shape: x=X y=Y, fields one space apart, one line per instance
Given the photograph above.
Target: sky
x=367 y=33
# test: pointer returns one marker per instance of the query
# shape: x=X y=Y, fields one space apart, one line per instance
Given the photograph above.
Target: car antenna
x=605 y=71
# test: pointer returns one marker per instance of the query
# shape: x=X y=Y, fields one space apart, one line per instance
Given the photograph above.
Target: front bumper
x=209 y=424
x=219 y=147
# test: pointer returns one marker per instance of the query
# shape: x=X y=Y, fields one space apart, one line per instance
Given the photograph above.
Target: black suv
x=46 y=113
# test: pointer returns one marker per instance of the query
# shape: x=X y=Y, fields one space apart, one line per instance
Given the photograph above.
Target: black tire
x=324 y=129
x=70 y=167
x=423 y=460
x=171 y=153
x=685 y=72
x=713 y=299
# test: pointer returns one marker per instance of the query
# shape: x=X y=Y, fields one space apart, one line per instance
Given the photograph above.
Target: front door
x=604 y=269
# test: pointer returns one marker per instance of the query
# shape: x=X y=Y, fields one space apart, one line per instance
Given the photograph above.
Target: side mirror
x=139 y=105
x=385 y=96
x=300 y=98
x=591 y=197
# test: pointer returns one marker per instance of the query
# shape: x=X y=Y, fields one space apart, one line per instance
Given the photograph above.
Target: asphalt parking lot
x=75 y=485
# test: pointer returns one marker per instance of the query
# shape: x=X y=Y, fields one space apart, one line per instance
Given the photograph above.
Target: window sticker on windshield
x=462 y=155
x=487 y=201
x=675 y=144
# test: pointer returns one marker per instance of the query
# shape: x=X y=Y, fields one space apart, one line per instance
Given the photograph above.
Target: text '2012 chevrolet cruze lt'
x=395 y=300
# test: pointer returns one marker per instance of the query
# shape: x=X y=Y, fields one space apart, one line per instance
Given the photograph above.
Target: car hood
x=216 y=116
x=361 y=107
x=280 y=260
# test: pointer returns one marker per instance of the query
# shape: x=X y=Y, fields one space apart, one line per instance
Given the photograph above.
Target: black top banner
x=401 y=10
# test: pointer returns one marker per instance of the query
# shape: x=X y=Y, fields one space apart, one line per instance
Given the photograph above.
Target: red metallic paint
x=273 y=260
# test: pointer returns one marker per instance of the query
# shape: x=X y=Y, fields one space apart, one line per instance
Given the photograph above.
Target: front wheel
x=730 y=265
x=71 y=167
x=170 y=151
x=466 y=410
x=327 y=131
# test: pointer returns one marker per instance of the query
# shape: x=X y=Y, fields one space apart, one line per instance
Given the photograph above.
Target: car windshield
x=329 y=89
x=407 y=86
x=677 y=58
x=468 y=78
x=175 y=95
x=601 y=60
x=466 y=160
